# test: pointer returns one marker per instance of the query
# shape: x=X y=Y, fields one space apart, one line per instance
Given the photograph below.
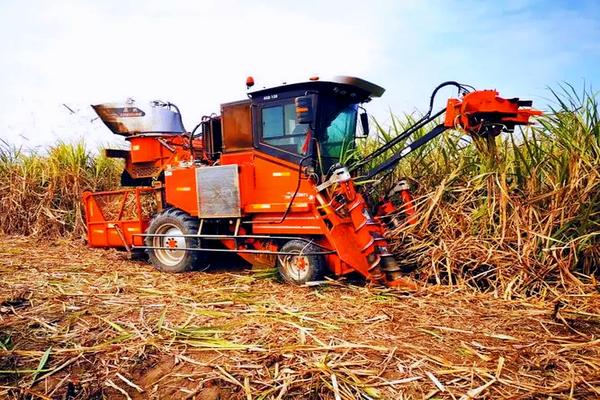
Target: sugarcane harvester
x=266 y=178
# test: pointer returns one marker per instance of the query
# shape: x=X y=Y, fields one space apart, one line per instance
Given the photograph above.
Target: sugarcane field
x=399 y=225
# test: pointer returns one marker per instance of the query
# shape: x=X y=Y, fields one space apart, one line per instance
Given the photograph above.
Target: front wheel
x=299 y=267
x=168 y=250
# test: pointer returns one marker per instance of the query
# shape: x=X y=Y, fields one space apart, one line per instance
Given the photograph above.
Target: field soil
x=77 y=323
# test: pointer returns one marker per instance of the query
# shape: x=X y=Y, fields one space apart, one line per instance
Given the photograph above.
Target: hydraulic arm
x=480 y=113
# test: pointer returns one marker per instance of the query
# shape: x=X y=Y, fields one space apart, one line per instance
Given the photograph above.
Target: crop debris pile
x=80 y=323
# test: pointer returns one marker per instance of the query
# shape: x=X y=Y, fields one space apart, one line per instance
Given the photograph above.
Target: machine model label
x=126 y=112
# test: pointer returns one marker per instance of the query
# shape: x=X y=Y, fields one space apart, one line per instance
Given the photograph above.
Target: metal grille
x=144 y=172
x=218 y=192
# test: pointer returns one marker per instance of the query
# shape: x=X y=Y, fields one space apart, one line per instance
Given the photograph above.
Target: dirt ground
x=77 y=323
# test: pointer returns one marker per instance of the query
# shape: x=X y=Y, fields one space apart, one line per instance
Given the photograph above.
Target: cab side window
x=280 y=130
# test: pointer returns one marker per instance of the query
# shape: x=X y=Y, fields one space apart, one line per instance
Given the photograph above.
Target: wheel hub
x=300 y=262
x=171 y=245
x=297 y=265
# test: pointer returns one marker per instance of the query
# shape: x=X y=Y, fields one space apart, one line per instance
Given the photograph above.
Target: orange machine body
x=266 y=187
x=150 y=155
x=250 y=188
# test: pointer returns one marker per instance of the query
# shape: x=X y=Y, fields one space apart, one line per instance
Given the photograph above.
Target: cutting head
x=485 y=113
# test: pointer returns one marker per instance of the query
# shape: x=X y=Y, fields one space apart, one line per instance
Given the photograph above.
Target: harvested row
x=78 y=323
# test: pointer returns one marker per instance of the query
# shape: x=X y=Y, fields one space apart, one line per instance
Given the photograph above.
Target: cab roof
x=345 y=85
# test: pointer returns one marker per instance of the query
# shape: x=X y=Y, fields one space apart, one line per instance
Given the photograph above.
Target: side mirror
x=304 y=110
x=364 y=122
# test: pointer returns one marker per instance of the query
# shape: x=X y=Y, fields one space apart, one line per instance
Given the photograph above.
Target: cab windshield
x=338 y=141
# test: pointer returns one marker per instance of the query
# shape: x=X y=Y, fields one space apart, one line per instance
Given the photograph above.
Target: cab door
x=276 y=131
x=282 y=144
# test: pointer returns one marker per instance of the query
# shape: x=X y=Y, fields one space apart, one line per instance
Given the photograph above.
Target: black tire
x=176 y=222
x=311 y=268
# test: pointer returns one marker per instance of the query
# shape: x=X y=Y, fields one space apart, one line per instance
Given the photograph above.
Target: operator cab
x=313 y=120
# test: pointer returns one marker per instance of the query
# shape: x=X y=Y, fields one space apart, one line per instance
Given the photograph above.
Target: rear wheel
x=299 y=267
x=168 y=250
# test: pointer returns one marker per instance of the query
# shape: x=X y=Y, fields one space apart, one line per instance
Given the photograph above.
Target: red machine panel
x=180 y=189
x=267 y=184
x=113 y=218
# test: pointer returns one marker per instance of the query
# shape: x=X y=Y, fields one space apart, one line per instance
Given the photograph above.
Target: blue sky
x=197 y=54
